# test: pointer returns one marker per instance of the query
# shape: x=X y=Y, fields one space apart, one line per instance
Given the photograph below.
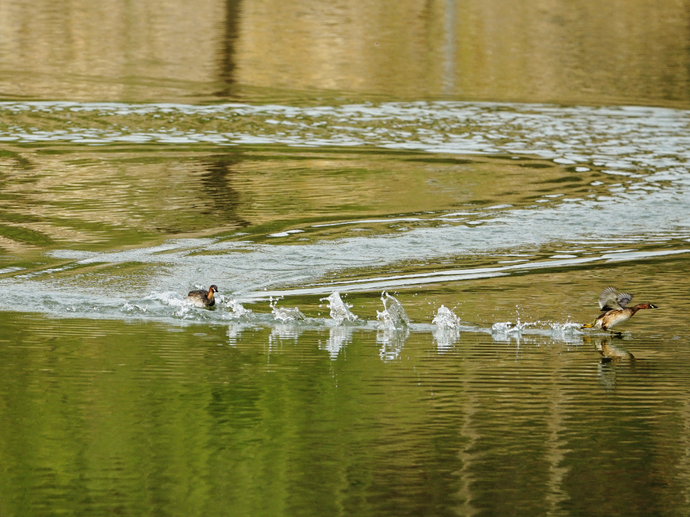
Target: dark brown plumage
x=201 y=298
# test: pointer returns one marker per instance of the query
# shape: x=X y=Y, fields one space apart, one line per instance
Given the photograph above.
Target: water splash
x=568 y=331
x=285 y=315
x=134 y=308
x=505 y=332
x=446 y=319
x=238 y=311
x=508 y=328
x=393 y=328
x=340 y=311
x=172 y=299
x=447 y=331
x=393 y=316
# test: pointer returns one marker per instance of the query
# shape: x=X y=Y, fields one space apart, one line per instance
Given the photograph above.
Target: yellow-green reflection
x=113 y=198
x=103 y=417
x=563 y=51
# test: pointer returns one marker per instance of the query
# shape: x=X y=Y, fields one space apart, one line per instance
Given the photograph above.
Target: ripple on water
x=558 y=133
x=500 y=401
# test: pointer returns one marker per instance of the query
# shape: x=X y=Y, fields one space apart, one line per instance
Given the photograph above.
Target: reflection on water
x=307 y=388
x=610 y=348
x=338 y=338
x=403 y=274
x=563 y=51
x=92 y=422
x=217 y=185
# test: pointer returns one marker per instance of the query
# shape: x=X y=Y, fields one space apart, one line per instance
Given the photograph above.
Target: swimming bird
x=614 y=311
x=202 y=298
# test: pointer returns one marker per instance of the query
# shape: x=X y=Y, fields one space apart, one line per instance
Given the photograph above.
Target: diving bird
x=202 y=298
x=614 y=311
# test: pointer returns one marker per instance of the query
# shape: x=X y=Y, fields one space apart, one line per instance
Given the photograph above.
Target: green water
x=117 y=397
x=409 y=210
x=112 y=417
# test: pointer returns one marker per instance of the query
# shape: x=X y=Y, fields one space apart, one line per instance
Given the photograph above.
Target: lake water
x=409 y=211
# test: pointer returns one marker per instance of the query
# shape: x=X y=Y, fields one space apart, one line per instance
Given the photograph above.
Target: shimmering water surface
x=405 y=251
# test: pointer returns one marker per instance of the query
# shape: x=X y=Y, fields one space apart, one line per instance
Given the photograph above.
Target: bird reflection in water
x=612 y=354
x=608 y=348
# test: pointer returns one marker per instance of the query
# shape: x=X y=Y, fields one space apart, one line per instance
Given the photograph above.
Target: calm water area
x=409 y=209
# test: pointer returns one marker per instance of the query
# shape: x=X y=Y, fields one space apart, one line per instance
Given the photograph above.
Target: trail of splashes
x=568 y=332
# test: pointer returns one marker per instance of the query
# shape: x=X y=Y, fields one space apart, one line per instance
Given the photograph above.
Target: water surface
x=406 y=250
x=467 y=388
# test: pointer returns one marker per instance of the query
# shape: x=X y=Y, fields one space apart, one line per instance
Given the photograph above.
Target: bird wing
x=623 y=299
x=609 y=299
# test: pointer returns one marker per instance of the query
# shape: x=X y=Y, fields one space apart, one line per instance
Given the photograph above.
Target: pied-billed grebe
x=202 y=298
x=614 y=310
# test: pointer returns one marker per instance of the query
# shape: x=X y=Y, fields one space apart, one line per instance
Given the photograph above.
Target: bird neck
x=640 y=306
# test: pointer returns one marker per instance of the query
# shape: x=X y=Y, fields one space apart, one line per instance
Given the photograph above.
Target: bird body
x=614 y=311
x=201 y=298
